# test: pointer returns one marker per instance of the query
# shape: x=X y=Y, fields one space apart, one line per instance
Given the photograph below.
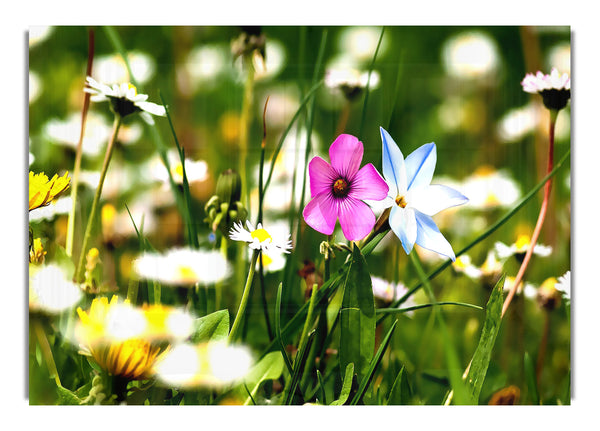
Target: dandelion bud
x=251 y=42
x=229 y=186
x=224 y=208
x=37 y=252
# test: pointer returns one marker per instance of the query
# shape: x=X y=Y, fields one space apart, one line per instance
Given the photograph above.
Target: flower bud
x=548 y=296
x=508 y=396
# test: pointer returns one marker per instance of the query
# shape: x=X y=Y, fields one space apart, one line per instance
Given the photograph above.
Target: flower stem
x=90 y=223
x=541 y=217
x=327 y=259
x=245 y=295
x=79 y=151
x=46 y=351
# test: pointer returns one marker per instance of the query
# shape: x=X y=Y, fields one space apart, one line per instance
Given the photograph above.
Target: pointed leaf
x=357 y=317
x=269 y=367
x=400 y=393
x=346 y=386
x=491 y=327
x=212 y=327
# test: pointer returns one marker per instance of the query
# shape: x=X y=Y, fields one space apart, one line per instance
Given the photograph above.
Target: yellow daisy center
x=260 y=234
x=522 y=242
x=186 y=273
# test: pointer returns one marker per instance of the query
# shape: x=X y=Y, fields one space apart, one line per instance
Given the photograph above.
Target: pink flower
x=338 y=190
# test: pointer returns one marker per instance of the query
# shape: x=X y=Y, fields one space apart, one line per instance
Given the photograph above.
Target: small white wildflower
x=260 y=238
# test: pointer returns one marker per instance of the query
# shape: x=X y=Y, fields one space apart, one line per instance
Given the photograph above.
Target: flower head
x=50 y=291
x=42 y=191
x=126 y=340
x=339 y=189
x=413 y=200
x=564 y=286
x=124 y=99
x=212 y=364
x=182 y=266
x=260 y=238
x=555 y=89
x=519 y=248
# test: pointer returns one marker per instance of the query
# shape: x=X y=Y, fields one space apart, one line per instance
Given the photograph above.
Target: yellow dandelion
x=110 y=332
x=42 y=191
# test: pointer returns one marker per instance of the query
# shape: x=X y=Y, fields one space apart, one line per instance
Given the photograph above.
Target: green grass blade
x=530 y=379
x=364 y=110
x=287 y=130
x=357 y=317
x=483 y=353
x=299 y=365
x=373 y=365
x=189 y=217
x=288 y=364
x=420 y=306
x=400 y=393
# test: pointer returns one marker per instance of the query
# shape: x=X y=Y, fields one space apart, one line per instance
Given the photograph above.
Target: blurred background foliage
x=456 y=86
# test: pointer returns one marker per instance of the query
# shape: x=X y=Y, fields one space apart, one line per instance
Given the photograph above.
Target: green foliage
x=213 y=327
x=482 y=356
x=357 y=317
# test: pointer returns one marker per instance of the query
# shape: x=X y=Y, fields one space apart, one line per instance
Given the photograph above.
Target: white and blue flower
x=413 y=199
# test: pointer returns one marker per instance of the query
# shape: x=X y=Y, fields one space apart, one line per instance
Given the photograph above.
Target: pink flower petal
x=345 y=154
x=368 y=184
x=322 y=176
x=356 y=219
x=321 y=213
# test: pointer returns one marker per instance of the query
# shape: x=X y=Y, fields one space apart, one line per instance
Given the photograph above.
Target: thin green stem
x=245 y=295
x=92 y=216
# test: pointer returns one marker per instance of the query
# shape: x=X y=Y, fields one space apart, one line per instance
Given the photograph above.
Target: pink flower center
x=340 y=188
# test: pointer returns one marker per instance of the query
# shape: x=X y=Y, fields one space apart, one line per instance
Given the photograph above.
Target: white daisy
x=183 y=266
x=521 y=246
x=463 y=264
x=212 y=364
x=564 y=285
x=124 y=99
x=555 y=89
x=260 y=238
x=540 y=82
x=50 y=290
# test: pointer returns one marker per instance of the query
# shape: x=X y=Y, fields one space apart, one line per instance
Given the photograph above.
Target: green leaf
x=269 y=367
x=212 y=327
x=400 y=393
x=346 y=386
x=66 y=397
x=357 y=317
x=483 y=353
x=63 y=260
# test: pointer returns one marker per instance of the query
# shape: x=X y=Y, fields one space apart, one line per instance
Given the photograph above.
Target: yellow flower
x=126 y=340
x=109 y=333
x=42 y=191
